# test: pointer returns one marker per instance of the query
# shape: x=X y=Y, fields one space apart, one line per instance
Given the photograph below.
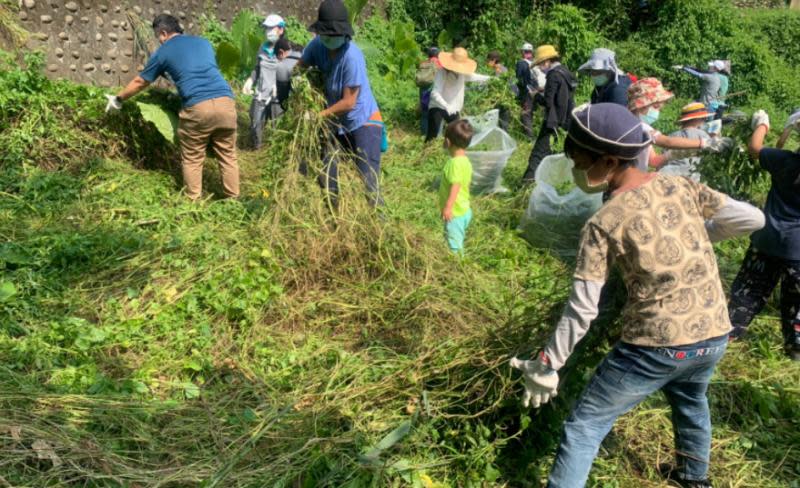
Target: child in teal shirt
x=454 y=187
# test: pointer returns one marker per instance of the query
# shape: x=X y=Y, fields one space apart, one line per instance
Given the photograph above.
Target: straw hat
x=646 y=92
x=692 y=111
x=458 y=61
x=543 y=53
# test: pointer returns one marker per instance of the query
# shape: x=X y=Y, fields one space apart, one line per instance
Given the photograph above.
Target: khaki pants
x=211 y=121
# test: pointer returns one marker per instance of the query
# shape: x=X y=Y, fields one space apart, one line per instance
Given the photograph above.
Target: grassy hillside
x=148 y=341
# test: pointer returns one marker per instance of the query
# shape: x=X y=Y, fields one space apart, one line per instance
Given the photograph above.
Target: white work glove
x=541 y=381
x=759 y=118
x=717 y=144
x=678 y=67
x=114 y=103
x=793 y=122
x=247 y=88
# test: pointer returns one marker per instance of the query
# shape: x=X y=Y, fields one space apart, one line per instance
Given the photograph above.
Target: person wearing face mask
x=262 y=82
x=646 y=98
x=712 y=81
x=558 y=100
x=527 y=87
x=447 y=95
x=350 y=104
x=658 y=230
x=610 y=84
x=208 y=116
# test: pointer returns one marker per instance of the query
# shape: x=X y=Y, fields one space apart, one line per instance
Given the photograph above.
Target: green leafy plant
x=237 y=57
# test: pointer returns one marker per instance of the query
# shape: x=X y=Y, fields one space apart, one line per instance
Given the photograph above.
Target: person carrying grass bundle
x=208 y=116
x=646 y=98
x=659 y=231
x=447 y=95
x=559 y=101
x=454 y=186
x=262 y=83
x=351 y=106
x=774 y=253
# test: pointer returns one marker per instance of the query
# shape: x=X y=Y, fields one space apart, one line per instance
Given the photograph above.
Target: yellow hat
x=458 y=61
x=543 y=53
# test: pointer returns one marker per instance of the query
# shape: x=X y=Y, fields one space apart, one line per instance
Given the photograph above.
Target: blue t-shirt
x=780 y=237
x=191 y=64
x=347 y=70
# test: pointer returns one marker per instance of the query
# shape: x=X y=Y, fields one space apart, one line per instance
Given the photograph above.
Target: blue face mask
x=650 y=117
x=332 y=42
x=600 y=80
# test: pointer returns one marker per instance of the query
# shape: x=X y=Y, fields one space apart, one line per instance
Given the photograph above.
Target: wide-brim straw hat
x=646 y=92
x=543 y=53
x=693 y=111
x=458 y=61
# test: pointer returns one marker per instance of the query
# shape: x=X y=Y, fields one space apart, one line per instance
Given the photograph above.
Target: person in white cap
x=610 y=83
x=530 y=81
x=262 y=82
x=710 y=90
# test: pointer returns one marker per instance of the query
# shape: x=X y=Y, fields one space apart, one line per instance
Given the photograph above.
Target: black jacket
x=559 y=97
x=613 y=92
x=523 y=71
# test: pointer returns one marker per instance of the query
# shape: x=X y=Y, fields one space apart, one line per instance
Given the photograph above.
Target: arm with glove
x=541 y=374
x=135 y=86
x=792 y=124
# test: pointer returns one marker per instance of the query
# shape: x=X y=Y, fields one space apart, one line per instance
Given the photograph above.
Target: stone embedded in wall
x=52 y=68
x=91 y=41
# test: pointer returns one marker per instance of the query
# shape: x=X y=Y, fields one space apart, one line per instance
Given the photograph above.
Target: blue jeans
x=364 y=145
x=627 y=376
x=455 y=230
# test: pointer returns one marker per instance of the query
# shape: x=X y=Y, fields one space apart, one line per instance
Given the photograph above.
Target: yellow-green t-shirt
x=458 y=170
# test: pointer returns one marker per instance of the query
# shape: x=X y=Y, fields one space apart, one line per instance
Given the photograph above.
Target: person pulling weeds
x=262 y=83
x=658 y=229
x=447 y=94
x=774 y=253
x=350 y=104
x=646 y=98
x=558 y=100
x=454 y=187
x=208 y=116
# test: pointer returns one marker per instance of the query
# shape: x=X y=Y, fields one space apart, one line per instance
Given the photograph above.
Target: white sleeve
x=581 y=309
x=734 y=219
x=476 y=78
x=437 y=100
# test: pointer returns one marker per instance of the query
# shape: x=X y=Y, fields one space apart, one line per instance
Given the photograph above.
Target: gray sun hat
x=608 y=128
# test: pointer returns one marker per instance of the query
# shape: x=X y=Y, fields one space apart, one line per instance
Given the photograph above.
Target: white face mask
x=581 y=177
x=273 y=36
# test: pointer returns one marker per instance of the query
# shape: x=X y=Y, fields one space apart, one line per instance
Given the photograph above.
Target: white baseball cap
x=273 y=20
x=527 y=47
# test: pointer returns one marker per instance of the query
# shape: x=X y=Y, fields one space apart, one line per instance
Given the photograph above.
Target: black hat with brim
x=332 y=20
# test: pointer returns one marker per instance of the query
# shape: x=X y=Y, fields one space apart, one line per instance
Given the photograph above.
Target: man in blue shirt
x=209 y=110
x=349 y=99
x=774 y=253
